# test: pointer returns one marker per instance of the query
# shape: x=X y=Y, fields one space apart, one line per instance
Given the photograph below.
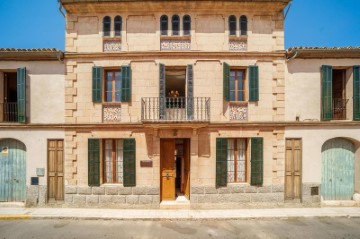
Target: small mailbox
x=40 y=172
x=34 y=181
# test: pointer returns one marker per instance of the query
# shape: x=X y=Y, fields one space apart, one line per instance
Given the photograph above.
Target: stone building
x=183 y=103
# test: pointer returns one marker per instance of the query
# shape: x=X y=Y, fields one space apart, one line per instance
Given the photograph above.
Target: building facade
x=184 y=103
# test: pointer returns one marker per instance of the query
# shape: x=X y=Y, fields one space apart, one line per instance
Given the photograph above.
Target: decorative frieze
x=237 y=45
x=112 y=45
x=111 y=113
x=175 y=44
x=239 y=112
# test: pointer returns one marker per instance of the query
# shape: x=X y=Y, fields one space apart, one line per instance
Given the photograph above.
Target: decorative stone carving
x=176 y=44
x=238 y=112
x=236 y=45
x=112 y=45
x=111 y=113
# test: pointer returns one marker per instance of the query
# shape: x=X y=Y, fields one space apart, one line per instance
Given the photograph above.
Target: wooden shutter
x=125 y=83
x=97 y=84
x=226 y=81
x=129 y=160
x=21 y=94
x=326 y=93
x=94 y=162
x=257 y=161
x=162 y=93
x=253 y=83
x=356 y=86
x=221 y=162
x=190 y=92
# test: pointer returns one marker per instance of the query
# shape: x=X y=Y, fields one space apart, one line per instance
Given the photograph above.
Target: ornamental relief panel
x=111 y=113
x=237 y=45
x=176 y=44
x=238 y=112
x=112 y=45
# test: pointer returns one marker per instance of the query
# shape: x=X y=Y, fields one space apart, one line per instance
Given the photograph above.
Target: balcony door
x=339 y=94
x=10 y=97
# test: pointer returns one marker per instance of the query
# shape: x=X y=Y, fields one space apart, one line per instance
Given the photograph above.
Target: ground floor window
x=113 y=160
x=237 y=165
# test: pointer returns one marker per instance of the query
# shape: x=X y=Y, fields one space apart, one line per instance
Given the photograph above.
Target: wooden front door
x=187 y=168
x=293 y=163
x=55 y=170
x=167 y=169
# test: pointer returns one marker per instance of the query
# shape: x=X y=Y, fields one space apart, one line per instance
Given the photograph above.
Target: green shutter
x=125 y=83
x=257 y=161
x=162 y=94
x=97 y=84
x=190 y=92
x=326 y=93
x=221 y=162
x=94 y=162
x=253 y=83
x=129 y=163
x=226 y=81
x=21 y=94
x=356 y=86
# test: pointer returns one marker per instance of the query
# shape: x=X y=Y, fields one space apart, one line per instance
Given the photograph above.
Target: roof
x=31 y=54
x=323 y=52
x=82 y=1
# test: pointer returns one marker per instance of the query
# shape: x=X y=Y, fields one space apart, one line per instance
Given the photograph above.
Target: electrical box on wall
x=40 y=172
x=34 y=181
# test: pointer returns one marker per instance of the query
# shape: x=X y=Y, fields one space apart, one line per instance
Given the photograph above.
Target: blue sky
x=38 y=23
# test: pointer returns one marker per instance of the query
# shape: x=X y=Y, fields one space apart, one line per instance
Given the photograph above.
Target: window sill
x=111 y=185
x=109 y=38
x=175 y=38
x=241 y=103
x=111 y=103
x=238 y=38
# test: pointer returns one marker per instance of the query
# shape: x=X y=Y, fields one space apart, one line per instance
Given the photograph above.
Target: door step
x=339 y=203
x=12 y=204
x=181 y=202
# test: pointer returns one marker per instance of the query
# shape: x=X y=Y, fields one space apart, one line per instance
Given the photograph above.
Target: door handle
x=167 y=176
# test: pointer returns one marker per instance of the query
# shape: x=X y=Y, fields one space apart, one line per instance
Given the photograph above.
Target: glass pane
x=240 y=96
x=119 y=161
x=118 y=86
x=232 y=95
x=240 y=84
x=231 y=163
x=241 y=160
x=108 y=161
x=108 y=96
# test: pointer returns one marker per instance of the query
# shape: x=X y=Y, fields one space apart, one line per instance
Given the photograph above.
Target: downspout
x=60 y=56
x=293 y=57
x=60 y=8
x=288 y=9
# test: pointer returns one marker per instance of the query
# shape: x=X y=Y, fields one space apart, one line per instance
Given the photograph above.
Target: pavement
x=9 y=213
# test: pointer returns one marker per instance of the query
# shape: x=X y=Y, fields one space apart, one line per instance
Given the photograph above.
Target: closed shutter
x=97 y=84
x=221 y=162
x=94 y=162
x=162 y=91
x=21 y=94
x=257 y=161
x=125 y=83
x=129 y=163
x=356 y=96
x=326 y=93
x=190 y=92
x=253 y=83
x=226 y=81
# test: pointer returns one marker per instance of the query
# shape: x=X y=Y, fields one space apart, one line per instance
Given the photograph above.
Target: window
x=113 y=160
x=187 y=25
x=232 y=25
x=243 y=25
x=113 y=86
x=175 y=25
x=117 y=25
x=236 y=161
x=106 y=26
x=164 y=25
x=237 y=85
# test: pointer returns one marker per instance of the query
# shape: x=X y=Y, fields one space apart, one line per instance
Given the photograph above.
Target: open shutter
x=326 y=93
x=221 y=162
x=356 y=85
x=257 y=161
x=21 y=94
x=97 y=84
x=226 y=81
x=190 y=92
x=129 y=163
x=94 y=162
x=253 y=83
x=162 y=93
x=125 y=83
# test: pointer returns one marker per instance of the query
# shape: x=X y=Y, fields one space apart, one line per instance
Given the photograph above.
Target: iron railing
x=9 y=111
x=339 y=109
x=175 y=109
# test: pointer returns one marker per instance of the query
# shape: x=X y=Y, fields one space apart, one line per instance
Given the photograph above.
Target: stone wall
x=36 y=195
x=307 y=198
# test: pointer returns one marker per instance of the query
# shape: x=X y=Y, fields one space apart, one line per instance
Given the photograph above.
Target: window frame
x=175 y=19
x=108 y=32
x=113 y=160
x=236 y=90
x=232 y=20
x=186 y=20
x=104 y=87
x=164 y=19
x=235 y=156
x=117 y=23
x=243 y=23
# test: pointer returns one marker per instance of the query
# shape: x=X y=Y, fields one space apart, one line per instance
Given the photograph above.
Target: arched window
x=117 y=25
x=164 y=25
x=232 y=25
x=106 y=26
x=243 y=25
x=175 y=25
x=187 y=25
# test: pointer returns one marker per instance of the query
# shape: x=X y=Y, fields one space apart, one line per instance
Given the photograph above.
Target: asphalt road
x=277 y=228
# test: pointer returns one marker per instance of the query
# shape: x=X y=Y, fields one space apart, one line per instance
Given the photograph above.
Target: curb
x=15 y=217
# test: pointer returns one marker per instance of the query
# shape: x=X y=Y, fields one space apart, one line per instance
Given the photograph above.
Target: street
x=270 y=228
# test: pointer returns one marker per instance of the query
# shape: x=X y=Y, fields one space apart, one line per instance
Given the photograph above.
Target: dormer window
x=106 y=26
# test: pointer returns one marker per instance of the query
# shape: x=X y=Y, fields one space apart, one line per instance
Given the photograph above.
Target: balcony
x=9 y=112
x=339 y=109
x=175 y=109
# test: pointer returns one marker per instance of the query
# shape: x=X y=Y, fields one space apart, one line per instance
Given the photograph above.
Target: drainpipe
x=60 y=8
x=287 y=10
x=293 y=57
x=60 y=56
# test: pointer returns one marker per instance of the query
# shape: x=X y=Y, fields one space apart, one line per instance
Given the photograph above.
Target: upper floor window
x=113 y=86
x=187 y=25
x=237 y=85
x=232 y=25
x=117 y=25
x=164 y=25
x=106 y=26
x=175 y=25
x=243 y=25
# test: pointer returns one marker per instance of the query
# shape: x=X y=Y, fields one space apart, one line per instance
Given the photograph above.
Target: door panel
x=187 y=168
x=167 y=169
x=55 y=170
x=293 y=162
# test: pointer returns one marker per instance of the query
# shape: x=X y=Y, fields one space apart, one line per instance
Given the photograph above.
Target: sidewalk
x=158 y=214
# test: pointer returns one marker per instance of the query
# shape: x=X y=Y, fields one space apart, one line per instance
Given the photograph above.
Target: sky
x=38 y=24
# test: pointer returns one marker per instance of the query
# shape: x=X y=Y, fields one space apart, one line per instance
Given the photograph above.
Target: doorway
x=55 y=171
x=339 y=94
x=293 y=170
x=175 y=169
x=10 y=103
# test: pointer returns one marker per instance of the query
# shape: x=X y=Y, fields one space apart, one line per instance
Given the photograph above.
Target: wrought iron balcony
x=9 y=111
x=175 y=109
x=339 y=109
